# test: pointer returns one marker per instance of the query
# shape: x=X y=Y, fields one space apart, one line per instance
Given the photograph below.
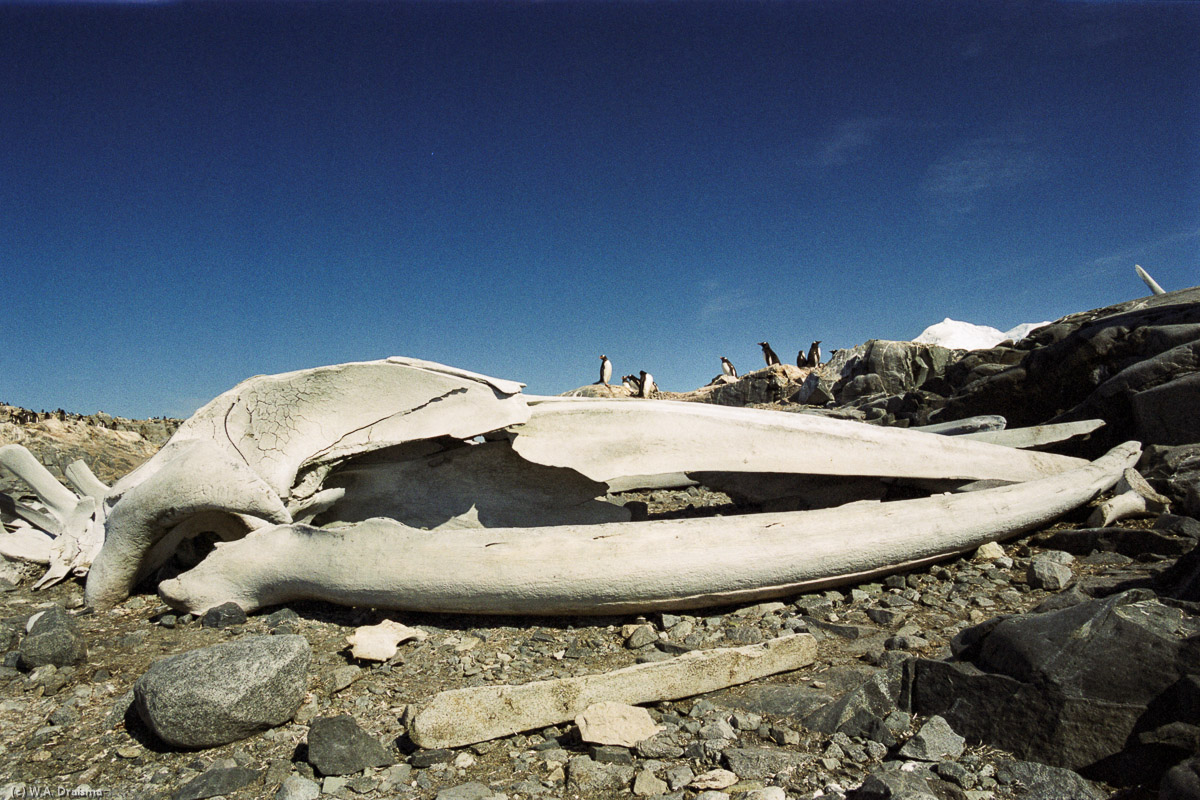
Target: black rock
x=1182 y=782
x=338 y=746
x=1130 y=542
x=54 y=639
x=216 y=782
x=223 y=616
x=890 y=782
x=1033 y=781
x=1060 y=688
x=611 y=754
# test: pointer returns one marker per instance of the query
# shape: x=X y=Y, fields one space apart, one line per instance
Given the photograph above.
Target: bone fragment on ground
x=26 y=544
x=608 y=439
x=78 y=543
x=624 y=567
x=1133 y=497
x=1038 y=435
x=473 y=486
x=381 y=642
x=476 y=714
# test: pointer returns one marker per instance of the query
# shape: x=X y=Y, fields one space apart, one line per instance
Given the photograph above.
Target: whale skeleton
x=289 y=476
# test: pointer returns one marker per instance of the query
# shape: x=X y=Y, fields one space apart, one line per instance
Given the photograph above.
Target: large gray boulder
x=1061 y=687
x=899 y=366
x=219 y=694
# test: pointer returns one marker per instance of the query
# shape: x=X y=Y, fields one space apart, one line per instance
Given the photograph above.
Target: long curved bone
x=607 y=439
x=624 y=567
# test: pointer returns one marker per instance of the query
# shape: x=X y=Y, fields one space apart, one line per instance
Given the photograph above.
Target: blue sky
x=194 y=193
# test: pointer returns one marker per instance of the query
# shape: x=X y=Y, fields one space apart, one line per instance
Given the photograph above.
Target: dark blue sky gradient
x=194 y=193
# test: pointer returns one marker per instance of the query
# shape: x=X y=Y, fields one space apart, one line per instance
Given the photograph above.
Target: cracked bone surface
x=624 y=567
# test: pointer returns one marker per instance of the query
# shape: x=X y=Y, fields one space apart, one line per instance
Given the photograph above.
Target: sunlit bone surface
x=327 y=442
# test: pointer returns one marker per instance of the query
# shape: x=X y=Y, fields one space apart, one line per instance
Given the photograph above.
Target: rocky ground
x=1006 y=673
x=70 y=727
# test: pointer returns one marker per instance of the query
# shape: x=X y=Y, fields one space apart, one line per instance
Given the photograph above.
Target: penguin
x=605 y=370
x=769 y=354
x=632 y=383
x=647 y=385
x=801 y=359
x=814 y=354
x=728 y=368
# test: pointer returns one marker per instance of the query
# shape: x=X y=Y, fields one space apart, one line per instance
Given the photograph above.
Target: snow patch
x=957 y=335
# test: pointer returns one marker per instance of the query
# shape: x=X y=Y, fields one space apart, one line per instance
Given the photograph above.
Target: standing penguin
x=814 y=354
x=648 y=385
x=769 y=354
x=632 y=383
x=728 y=368
x=605 y=370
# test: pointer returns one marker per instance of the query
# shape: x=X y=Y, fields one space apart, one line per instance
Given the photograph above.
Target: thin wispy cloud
x=1145 y=249
x=960 y=178
x=718 y=301
x=851 y=140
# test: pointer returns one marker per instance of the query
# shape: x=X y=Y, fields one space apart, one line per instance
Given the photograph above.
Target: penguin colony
x=643 y=385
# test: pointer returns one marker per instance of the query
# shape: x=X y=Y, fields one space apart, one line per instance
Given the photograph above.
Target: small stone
x=647 y=784
x=338 y=746
x=53 y=638
x=467 y=791
x=343 y=677
x=766 y=793
x=935 y=741
x=224 y=615
x=168 y=620
x=988 y=552
x=714 y=779
x=423 y=759
x=679 y=776
x=215 y=782
x=641 y=636
x=611 y=754
x=1050 y=571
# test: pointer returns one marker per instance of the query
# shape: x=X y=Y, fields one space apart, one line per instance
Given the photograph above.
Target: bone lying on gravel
x=476 y=714
x=623 y=567
x=1133 y=497
x=967 y=425
x=1037 y=435
x=380 y=642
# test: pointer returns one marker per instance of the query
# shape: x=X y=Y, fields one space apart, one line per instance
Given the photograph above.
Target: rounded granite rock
x=226 y=692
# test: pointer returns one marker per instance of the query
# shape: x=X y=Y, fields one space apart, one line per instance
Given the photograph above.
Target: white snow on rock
x=957 y=335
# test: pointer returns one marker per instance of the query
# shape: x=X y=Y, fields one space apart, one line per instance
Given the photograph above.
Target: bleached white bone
x=274 y=438
x=610 y=439
x=85 y=482
x=1133 y=497
x=196 y=477
x=1037 y=435
x=60 y=501
x=624 y=567
x=281 y=424
x=1145 y=276
x=475 y=714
